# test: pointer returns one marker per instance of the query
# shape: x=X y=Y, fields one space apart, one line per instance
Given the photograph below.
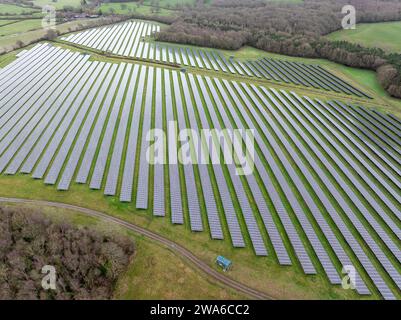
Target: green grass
x=5 y=22
x=286 y=1
x=169 y=3
x=384 y=35
x=9 y=9
x=133 y=8
x=20 y=27
x=58 y=4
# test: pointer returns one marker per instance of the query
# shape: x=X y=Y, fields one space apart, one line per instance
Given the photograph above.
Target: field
x=171 y=3
x=20 y=27
x=385 y=35
x=5 y=22
x=77 y=135
x=134 y=8
x=9 y=9
x=58 y=4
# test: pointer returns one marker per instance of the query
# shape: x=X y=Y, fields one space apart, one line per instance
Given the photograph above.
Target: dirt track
x=239 y=287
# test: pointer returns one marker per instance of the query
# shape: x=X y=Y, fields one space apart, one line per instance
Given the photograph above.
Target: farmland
x=134 y=8
x=83 y=136
x=377 y=35
x=58 y=4
x=9 y=9
x=20 y=26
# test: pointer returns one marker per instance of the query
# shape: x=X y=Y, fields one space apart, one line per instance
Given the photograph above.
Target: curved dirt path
x=237 y=286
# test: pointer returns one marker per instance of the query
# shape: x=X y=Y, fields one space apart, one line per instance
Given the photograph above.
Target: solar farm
x=325 y=192
x=129 y=39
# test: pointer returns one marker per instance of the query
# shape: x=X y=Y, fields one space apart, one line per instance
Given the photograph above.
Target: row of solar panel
x=120 y=39
x=303 y=74
x=64 y=112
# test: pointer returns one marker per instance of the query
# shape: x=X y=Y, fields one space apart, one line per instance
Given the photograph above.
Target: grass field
x=5 y=22
x=9 y=9
x=19 y=27
x=58 y=4
x=170 y=3
x=133 y=8
x=385 y=35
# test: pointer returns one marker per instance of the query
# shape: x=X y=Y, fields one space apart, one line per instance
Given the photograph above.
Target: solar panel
x=177 y=216
x=225 y=196
x=164 y=54
x=21 y=130
x=143 y=178
x=9 y=90
x=170 y=55
x=210 y=202
x=198 y=59
x=115 y=163
x=214 y=64
x=62 y=129
x=184 y=57
x=158 y=179
x=24 y=103
x=246 y=208
x=86 y=164
x=47 y=127
x=362 y=230
x=191 y=190
x=70 y=135
x=129 y=166
x=204 y=60
x=379 y=129
x=177 y=55
x=100 y=166
x=76 y=153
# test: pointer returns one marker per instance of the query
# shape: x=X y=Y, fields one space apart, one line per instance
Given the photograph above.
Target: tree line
x=290 y=29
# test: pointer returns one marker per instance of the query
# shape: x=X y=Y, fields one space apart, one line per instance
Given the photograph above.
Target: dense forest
x=290 y=29
x=87 y=263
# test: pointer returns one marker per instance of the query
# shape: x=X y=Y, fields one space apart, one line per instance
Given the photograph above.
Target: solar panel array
x=130 y=39
x=325 y=192
x=307 y=75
